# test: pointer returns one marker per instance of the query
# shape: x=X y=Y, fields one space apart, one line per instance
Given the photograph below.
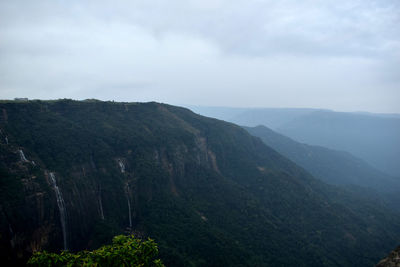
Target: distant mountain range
x=270 y=117
x=375 y=138
x=334 y=167
x=331 y=166
x=75 y=173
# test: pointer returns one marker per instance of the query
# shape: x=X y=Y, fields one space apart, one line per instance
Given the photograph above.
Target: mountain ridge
x=369 y=136
x=331 y=166
x=206 y=190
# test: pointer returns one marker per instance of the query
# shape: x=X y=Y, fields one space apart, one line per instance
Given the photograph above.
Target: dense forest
x=76 y=173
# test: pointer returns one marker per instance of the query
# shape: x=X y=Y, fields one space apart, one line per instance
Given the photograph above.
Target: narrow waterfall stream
x=22 y=156
x=127 y=193
x=121 y=166
x=61 y=207
x=100 y=202
x=100 y=206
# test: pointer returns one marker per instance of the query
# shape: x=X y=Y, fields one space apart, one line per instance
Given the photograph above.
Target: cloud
x=270 y=27
x=331 y=54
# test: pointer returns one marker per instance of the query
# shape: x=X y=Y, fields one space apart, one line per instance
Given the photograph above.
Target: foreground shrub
x=124 y=251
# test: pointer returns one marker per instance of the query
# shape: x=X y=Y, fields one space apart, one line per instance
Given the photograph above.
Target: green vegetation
x=206 y=190
x=124 y=251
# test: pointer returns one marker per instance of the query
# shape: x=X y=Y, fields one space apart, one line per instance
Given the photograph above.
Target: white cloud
x=330 y=54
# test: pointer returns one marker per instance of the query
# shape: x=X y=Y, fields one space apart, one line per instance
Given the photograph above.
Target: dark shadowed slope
x=73 y=174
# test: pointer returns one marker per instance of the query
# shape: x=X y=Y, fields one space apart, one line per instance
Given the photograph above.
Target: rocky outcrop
x=392 y=260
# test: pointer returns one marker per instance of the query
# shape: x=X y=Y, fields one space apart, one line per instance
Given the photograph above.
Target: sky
x=336 y=54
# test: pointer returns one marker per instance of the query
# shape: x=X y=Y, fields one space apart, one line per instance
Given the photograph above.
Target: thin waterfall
x=127 y=193
x=129 y=211
x=12 y=240
x=121 y=165
x=61 y=208
x=22 y=156
x=100 y=207
x=100 y=203
x=6 y=140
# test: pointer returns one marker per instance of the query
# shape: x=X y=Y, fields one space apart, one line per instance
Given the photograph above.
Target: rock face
x=392 y=260
x=208 y=192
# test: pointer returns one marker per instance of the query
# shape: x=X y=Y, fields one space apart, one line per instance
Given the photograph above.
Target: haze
x=341 y=55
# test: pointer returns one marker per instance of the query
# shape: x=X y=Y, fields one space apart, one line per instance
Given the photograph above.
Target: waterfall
x=129 y=204
x=100 y=203
x=6 y=140
x=22 y=156
x=12 y=240
x=121 y=165
x=100 y=207
x=129 y=212
x=61 y=207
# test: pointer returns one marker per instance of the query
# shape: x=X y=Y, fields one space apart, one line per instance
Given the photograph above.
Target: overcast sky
x=340 y=54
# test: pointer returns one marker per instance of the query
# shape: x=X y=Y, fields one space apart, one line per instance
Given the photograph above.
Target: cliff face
x=392 y=260
x=73 y=174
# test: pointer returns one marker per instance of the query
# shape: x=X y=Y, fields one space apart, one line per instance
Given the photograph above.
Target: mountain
x=331 y=166
x=75 y=173
x=271 y=117
x=371 y=137
x=335 y=167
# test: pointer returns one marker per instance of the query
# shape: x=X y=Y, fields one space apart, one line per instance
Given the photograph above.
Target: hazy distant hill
x=374 y=138
x=331 y=166
x=73 y=174
x=271 y=117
